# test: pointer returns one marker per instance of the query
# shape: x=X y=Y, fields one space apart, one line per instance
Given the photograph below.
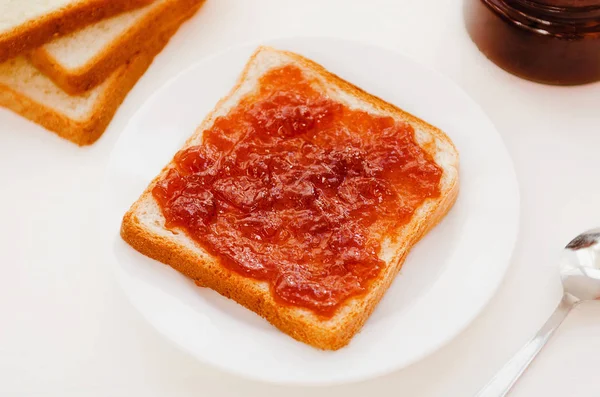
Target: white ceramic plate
x=447 y=278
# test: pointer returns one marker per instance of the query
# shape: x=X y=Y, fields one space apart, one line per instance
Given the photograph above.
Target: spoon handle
x=505 y=379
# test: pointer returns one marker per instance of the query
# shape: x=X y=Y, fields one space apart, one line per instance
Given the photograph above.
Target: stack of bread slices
x=68 y=64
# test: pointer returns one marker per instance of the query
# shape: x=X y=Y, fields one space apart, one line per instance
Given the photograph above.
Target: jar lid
x=569 y=3
x=560 y=18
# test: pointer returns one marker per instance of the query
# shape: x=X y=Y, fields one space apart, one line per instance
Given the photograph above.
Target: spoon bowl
x=580 y=266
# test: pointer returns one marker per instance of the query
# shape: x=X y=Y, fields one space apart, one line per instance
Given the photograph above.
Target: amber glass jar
x=549 y=41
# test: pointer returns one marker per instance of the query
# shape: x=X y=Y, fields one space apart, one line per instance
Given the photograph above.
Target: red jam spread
x=298 y=190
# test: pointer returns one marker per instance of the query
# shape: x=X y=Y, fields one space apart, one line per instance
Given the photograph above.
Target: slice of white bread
x=143 y=226
x=81 y=119
x=27 y=24
x=83 y=59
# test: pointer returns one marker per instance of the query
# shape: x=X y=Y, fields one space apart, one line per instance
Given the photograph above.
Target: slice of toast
x=83 y=59
x=25 y=25
x=143 y=226
x=83 y=118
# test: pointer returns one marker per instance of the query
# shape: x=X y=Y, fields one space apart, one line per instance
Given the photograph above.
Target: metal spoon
x=580 y=275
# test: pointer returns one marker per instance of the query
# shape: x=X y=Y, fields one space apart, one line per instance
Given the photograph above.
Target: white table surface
x=66 y=328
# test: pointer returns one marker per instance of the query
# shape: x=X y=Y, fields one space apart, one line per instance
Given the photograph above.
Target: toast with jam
x=299 y=197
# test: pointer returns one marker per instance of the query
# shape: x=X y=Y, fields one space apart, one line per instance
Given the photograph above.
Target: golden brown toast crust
x=77 y=81
x=328 y=334
x=87 y=131
x=35 y=33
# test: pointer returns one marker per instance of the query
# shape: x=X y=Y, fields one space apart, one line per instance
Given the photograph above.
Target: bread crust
x=88 y=76
x=34 y=33
x=87 y=131
x=301 y=324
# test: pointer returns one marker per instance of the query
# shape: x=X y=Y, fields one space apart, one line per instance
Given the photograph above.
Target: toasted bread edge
x=34 y=33
x=79 y=80
x=87 y=131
